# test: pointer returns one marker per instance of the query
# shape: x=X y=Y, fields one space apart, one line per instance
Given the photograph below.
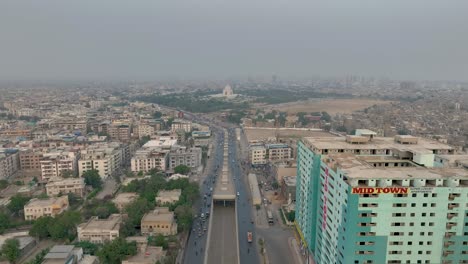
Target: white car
x=238 y=193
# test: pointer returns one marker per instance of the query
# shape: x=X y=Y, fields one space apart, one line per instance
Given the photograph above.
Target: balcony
x=453 y=205
x=449 y=243
x=452 y=196
x=451 y=215
x=450 y=225
x=449 y=234
x=449 y=252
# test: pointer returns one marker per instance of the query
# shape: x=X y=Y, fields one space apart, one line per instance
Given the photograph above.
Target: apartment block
x=36 y=208
x=159 y=221
x=258 y=155
x=180 y=124
x=59 y=186
x=100 y=230
x=119 y=132
x=105 y=158
x=170 y=196
x=30 y=160
x=57 y=162
x=154 y=154
x=71 y=124
x=366 y=199
x=9 y=162
x=278 y=152
x=190 y=157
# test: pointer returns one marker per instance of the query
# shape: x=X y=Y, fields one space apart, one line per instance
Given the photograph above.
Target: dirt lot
x=332 y=106
x=266 y=133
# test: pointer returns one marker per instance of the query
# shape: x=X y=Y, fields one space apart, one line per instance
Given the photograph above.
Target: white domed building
x=227 y=91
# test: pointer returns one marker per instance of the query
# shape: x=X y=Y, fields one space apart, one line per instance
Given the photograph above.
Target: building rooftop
x=159 y=214
x=162 y=142
x=111 y=223
x=125 y=197
x=422 y=146
x=46 y=202
x=359 y=167
x=290 y=180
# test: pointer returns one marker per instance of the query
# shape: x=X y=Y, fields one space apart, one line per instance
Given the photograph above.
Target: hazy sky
x=113 y=39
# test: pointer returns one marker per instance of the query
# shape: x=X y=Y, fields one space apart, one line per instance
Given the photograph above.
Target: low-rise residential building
x=105 y=158
x=100 y=230
x=9 y=162
x=59 y=186
x=36 y=208
x=170 y=196
x=278 y=152
x=124 y=199
x=288 y=188
x=190 y=157
x=159 y=221
x=282 y=169
x=64 y=254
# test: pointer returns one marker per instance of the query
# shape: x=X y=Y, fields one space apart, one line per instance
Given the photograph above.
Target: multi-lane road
x=196 y=245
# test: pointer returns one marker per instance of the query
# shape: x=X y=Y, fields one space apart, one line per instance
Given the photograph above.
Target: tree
x=326 y=117
x=184 y=216
x=4 y=222
x=182 y=169
x=17 y=203
x=40 y=227
x=88 y=247
x=291 y=215
x=3 y=184
x=275 y=185
x=117 y=250
x=158 y=241
x=137 y=209
x=157 y=115
x=11 y=250
x=92 y=178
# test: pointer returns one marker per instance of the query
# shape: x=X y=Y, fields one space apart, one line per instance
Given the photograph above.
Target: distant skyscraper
x=457 y=106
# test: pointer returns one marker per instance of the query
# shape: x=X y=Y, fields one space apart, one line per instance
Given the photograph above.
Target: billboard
x=390 y=190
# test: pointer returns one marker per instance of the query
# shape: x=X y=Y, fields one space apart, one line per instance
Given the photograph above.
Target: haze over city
x=233 y=132
x=147 y=40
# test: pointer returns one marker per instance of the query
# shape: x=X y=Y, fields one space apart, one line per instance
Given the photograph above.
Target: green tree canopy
x=158 y=241
x=184 y=215
x=11 y=250
x=116 y=251
x=4 y=222
x=182 y=169
x=92 y=178
x=17 y=203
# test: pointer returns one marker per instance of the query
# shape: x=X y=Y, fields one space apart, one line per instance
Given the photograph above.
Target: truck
x=249 y=237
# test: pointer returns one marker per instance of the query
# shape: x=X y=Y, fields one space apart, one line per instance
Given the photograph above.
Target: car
x=238 y=194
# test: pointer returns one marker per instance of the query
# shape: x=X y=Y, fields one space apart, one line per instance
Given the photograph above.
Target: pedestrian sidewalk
x=295 y=250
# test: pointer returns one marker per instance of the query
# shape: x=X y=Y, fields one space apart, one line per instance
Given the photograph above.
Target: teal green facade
x=345 y=228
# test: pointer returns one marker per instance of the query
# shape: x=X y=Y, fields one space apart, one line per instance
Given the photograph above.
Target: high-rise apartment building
x=380 y=200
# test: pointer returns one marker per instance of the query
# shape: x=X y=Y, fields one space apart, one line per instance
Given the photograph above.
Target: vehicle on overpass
x=249 y=237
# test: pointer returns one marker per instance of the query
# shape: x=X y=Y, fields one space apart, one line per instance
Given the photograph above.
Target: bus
x=270 y=217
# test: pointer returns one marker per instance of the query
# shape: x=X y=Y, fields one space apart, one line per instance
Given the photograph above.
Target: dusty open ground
x=332 y=106
x=262 y=134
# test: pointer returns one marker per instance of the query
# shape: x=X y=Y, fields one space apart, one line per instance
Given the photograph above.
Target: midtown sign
x=371 y=190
